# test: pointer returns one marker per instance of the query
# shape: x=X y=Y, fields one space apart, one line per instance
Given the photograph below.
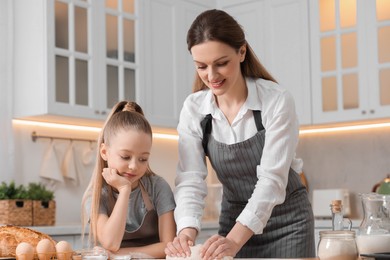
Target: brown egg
x=45 y=249
x=64 y=250
x=24 y=251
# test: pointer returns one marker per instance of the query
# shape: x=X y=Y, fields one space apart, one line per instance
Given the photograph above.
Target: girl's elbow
x=113 y=248
x=110 y=246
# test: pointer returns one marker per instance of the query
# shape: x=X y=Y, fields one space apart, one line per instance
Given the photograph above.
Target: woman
x=246 y=124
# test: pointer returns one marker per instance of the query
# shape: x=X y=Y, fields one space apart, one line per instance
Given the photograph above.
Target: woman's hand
x=180 y=246
x=115 y=180
x=216 y=247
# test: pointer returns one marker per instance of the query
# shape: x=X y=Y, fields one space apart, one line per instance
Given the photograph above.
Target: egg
x=64 y=250
x=45 y=249
x=24 y=251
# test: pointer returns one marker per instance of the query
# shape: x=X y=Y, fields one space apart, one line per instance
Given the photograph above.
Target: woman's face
x=128 y=153
x=218 y=65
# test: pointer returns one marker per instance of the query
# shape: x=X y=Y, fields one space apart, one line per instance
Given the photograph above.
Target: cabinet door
x=378 y=56
x=76 y=59
x=350 y=63
x=94 y=56
x=338 y=92
x=278 y=32
x=72 y=52
x=120 y=61
x=167 y=69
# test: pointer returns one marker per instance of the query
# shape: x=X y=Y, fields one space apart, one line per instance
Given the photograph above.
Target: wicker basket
x=16 y=212
x=43 y=213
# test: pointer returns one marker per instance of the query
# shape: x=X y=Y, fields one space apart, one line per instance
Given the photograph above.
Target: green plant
x=11 y=191
x=37 y=191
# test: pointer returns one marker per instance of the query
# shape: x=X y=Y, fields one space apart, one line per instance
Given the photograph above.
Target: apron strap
x=206 y=127
x=257 y=116
x=145 y=197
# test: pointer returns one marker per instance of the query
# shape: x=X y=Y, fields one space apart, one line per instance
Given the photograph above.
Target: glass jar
x=374 y=231
x=96 y=253
x=337 y=245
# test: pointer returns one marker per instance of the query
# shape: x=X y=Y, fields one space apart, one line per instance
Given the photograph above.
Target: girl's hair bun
x=132 y=107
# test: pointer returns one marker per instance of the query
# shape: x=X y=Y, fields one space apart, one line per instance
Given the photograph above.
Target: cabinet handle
x=103 y=112
x=364 y=112
x=372 y=111
x=97 y=112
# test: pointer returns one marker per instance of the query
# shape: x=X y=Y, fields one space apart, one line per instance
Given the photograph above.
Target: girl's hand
x=180 y=246
x=115 y=180
x=216 y=247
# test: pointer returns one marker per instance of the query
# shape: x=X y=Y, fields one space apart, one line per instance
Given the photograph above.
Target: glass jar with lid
x=337 y=245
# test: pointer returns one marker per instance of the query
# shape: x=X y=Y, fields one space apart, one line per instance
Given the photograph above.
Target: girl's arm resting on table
x=110 y=229
x=167 y=231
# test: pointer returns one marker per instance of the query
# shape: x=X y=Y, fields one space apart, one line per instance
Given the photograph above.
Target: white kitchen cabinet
x=350 y=60
x=278 y=32
x=73 y=59
x=168 y=69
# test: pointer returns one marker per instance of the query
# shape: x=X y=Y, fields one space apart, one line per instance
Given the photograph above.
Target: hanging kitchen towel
x=50 y=170
x=85 y=157
x=68 y=167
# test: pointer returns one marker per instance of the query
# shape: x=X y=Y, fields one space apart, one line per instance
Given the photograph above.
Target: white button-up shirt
x=281 y=138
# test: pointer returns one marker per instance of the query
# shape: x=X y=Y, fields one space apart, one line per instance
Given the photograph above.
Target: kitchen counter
x=66 y=229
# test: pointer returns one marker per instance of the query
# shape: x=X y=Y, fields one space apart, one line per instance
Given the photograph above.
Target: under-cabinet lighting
x=166 y=136
x=57 y=125
x=159 y=135
x=343 y=128
x=82 y=128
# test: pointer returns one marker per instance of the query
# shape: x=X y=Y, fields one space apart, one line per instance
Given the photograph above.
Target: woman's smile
x=217 y=84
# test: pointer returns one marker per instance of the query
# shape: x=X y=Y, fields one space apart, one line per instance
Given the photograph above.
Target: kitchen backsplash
x=354 y=160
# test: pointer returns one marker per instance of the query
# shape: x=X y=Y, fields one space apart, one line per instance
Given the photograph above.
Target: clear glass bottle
x=337 y=245
x=338 y=220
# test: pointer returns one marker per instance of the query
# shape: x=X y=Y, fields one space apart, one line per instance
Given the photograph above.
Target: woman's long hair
x=217 y=25
x=124 y=116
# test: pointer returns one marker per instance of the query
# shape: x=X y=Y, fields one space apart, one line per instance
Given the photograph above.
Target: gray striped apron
x=289 y=232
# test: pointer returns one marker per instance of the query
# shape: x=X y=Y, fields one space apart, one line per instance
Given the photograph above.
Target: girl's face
x=218 y=65
x=128 y=153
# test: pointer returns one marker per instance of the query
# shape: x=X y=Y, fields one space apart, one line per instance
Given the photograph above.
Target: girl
x=130 y=209
x=246 y=124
